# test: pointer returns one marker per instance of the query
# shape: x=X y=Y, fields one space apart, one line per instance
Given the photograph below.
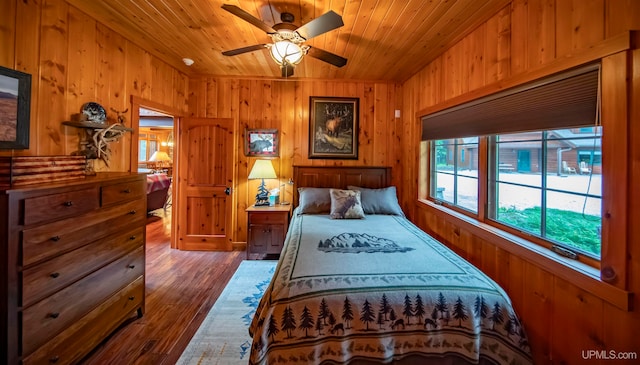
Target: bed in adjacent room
x=358 y=283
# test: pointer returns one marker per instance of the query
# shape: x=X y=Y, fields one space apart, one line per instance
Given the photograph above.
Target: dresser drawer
x=269 y=218
x=50 y=316
x=71 y=345
x=45 y=279
x=122 y=192
x=56 y=206
x=56 y=238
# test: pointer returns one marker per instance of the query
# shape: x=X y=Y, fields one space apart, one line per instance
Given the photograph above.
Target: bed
x=158 y=186
x=363 y=285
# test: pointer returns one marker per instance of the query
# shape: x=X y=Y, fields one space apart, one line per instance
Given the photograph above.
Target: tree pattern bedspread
x=380 y=289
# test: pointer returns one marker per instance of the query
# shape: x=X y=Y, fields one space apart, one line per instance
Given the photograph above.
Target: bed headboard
x=339 y=177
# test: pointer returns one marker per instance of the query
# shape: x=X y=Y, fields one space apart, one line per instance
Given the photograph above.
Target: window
x=454 y=178
x=543 y=196
x=147 y=145
x=142 y=155
x=539 y=175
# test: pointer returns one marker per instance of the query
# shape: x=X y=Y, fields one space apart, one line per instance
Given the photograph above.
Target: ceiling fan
x=288 y=46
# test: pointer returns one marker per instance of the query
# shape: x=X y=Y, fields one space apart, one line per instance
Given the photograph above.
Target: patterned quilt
x=380 y=289
x=157 y=182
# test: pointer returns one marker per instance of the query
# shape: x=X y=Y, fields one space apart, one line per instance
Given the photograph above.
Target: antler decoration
x=121 y=118
x=101 y=139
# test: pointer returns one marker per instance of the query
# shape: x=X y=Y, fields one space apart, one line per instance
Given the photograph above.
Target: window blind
x=561 y=101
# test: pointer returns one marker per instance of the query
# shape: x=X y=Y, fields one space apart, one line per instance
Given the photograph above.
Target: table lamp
x=160 y=158
x=262 y=169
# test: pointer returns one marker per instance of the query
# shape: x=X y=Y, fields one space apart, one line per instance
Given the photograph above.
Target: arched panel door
x=205 y=182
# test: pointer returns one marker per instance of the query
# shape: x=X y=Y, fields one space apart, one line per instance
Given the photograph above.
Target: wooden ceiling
x=382 y=39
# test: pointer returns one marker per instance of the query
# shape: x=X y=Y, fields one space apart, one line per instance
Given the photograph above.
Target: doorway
x=154 y=151
x=524 y=161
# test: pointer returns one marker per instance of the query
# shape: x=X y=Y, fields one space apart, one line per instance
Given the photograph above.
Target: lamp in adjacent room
x=262 y=169
x=160 y=159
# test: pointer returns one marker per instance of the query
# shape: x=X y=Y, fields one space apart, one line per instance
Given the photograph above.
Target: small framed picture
x=333 y=127
x=261 y=142
x=15 y=101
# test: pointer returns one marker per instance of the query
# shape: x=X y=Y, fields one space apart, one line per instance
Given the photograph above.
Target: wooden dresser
x=72 y=265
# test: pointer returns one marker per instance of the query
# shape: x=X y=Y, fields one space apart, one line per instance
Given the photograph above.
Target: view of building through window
x=554 y=190
x=455 y=175
x=543 y=183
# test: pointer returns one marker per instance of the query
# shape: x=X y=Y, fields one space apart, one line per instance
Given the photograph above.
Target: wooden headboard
x=339 y=177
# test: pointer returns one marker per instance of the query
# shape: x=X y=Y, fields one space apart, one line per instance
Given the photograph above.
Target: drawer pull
x=54 y=359
x=55 y=238
x=132 y=238
x=126 y=191
x=132 y=212
x=55 y=274
x=54 y=315
x=132 y=266
x=68 y=203
x=132 y=297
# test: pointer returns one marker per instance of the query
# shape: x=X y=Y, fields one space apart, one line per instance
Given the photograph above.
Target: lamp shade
x=262 y=169
x=160 y=156
x=286 y=51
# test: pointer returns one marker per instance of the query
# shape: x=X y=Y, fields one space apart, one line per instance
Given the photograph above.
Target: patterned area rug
x=223 y=337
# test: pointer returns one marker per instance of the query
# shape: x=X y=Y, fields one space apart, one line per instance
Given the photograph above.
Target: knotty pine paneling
x=561 y=318
x=284 y=105
x=7 y=32
x=73 y=59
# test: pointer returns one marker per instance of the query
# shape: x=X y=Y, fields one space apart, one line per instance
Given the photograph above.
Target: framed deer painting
x=333 y=127
x=261 y=142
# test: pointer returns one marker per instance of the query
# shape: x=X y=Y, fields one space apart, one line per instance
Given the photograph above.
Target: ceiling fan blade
x=238 y=51
x=287 y=70
x=248 y=17
x=328 y=57
x=328 y=21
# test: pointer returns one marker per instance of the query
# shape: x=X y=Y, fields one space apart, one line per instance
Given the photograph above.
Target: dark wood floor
x=181 y=288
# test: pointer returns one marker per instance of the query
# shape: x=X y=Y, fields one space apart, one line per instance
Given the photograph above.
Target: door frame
x=137 y=103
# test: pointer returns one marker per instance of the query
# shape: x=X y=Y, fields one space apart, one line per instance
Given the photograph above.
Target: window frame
x=610 y=280
x=150 y=140
x=538 y=98
x=487 y=182
x=453 y=154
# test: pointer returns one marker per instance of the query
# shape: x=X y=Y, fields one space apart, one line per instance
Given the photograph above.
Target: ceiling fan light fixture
x=286 y=52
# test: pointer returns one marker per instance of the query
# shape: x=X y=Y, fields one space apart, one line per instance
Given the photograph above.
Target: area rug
x=223 y=336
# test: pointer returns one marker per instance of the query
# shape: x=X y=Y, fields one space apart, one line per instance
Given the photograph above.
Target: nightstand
x=267 y=229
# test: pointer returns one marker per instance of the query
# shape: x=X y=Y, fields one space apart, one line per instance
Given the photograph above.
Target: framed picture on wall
x=15 y=104
x=333 y=127
x=261 y=142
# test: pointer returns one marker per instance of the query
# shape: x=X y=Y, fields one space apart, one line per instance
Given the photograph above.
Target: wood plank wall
x=73 y=59
x=284 y=105
x=562 y=318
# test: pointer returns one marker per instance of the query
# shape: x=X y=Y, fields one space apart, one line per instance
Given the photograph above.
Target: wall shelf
x=98 y=136
x=94 y=125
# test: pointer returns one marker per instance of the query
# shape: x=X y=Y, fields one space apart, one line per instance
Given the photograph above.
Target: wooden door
x=204 y=184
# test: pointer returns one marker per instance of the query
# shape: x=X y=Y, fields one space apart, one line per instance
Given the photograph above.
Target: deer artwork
x=347 y=203
x=430 y=323
x=337 y=327
x=261 y=144
x=397 y=323
x=120 y=116
x=336 y=116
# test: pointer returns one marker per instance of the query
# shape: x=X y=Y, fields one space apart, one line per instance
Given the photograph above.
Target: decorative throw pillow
x=345 y=204
x=379 y=201
x=314 y=200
